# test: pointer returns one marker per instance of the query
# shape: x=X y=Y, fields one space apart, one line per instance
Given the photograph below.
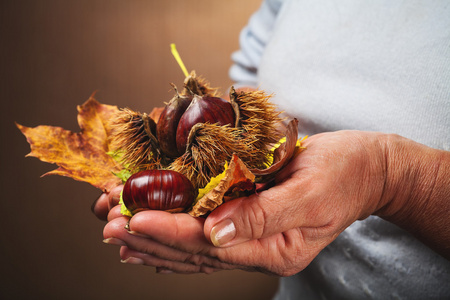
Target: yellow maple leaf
x=84 y=155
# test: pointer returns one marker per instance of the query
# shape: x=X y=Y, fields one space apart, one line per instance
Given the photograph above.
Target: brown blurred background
x=54 y=55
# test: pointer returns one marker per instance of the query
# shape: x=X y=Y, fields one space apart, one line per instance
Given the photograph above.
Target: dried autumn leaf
x=82 y=156
x=237 y=177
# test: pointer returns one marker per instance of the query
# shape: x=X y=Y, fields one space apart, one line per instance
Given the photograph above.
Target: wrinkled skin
x=341 y=177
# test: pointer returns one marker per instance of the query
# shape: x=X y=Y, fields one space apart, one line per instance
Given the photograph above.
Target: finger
x=100 y=207
x=149 y=246
x=278 y=209
x=115 y=230
x=156 y=249
x=114 y=213
x=259 y=215
x=180 y=231
x=186 y=235
x=135 y=257
x=114 y=196
x=106 y=202
x=286 y=172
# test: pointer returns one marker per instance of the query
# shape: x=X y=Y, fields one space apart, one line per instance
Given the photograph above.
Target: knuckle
x=194 y=259
x=255 y=220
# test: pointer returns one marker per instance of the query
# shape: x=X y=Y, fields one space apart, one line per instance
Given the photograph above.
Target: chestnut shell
x=158 y=190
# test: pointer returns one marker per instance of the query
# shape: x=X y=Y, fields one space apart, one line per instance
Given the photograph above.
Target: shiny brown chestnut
x=203 y=109
x=166 y=128
x=158 y=190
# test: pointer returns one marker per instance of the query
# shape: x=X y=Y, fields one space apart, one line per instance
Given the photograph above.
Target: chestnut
x=203 y=109
x=166 y=127
x=183 y=112
x=159 y=190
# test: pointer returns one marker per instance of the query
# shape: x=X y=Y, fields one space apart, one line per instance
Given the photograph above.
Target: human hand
x=106 y=202
x=340 y=178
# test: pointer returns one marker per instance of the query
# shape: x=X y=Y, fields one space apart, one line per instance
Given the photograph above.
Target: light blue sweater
x=381 y=65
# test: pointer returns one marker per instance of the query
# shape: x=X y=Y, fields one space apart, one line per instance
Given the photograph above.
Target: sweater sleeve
x=252 y=41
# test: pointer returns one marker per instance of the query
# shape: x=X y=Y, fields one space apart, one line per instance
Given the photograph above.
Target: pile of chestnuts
x=194 y=136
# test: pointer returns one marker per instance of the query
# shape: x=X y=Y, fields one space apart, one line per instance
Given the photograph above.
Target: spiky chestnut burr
x=133 y=136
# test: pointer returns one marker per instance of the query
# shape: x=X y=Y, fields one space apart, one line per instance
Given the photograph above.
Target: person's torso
x=365 y=65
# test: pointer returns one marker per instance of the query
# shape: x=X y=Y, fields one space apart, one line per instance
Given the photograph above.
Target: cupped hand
x=337 y=180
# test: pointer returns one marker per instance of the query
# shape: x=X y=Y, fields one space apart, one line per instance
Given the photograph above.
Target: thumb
x=249 y=218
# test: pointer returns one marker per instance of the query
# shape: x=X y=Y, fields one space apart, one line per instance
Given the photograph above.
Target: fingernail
x=113 y=201
x=132 y=260
x=114 y=241
x=163 y=271
x=223 y=232
x=135 y=233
